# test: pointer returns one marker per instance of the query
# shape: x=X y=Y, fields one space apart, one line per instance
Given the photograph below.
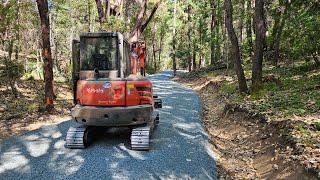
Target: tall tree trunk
x=174 y=63
x=218 y=37
x=89 y=16
x=249 y=26
x=212 y=29
x=235 y=47
x=189 y=39
x=160 y=48
x=107 y=13
x=224 y=39
x=102 y=15
x=279 y=23
x=154 y=30
x=200 y=39
x=241 y=11
x=194 y=57
x=154 y=56
x=260 y=30
x=17 y=47
x=46 y=52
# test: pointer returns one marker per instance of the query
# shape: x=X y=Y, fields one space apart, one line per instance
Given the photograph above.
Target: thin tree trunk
x=260 y=30
x=277 y=31
x=212 y=28
x=249 y=26
x=218 y=37
x=46 y=52
x=194 y=57
x=224 y=39
x=102 y=15
x=189 y=39
x=160 y=49
x=174 y=63
x=154 y=57
x=17 y=47
x=107 y=13
x=241 y=10
x=89 y=16
x=235 y=47
x=154 y=47
x=200 y=39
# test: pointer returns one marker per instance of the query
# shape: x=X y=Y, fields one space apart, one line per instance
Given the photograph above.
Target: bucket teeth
x=77 y=138
x=140 y=138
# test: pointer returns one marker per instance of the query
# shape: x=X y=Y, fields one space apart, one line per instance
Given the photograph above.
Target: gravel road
x=180 y=147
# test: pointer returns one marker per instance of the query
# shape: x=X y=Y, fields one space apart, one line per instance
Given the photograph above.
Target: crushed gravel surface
x=180 y=147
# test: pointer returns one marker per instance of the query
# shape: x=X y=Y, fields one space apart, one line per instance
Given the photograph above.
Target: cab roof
x=100 y=34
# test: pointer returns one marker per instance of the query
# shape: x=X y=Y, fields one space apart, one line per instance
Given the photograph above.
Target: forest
x=263 y=55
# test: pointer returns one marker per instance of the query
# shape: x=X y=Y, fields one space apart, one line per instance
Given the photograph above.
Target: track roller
x=79 y=137
x=140 y=138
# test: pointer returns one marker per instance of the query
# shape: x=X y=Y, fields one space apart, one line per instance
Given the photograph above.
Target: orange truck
x=108 y=92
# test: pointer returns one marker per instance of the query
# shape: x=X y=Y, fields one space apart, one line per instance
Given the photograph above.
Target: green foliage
x=227 y=88
x=303 y=22
x=302 y=127
x=150 y=70
x=297 y=94
x=317 y=126
x=11 y=70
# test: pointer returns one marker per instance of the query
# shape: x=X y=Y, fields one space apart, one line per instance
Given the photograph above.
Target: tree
x=101 y=13
x=46 y=52
x=260 y=30
x=212 y=28
x=235 y=47
x=249 y=26
x=141 y=24
x=174 y=61
x=189 y=39
x=279 y=22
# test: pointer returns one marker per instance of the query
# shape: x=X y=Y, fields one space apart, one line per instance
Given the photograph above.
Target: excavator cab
x=107 y=90
x=101 y=55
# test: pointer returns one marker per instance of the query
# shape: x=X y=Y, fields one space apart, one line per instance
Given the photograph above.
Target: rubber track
x=76 y=137
x=140 y=138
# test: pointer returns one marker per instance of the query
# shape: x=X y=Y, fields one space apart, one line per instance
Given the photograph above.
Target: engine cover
x=114 y=93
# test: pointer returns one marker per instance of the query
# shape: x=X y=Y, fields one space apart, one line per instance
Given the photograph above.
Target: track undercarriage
x=82 y=136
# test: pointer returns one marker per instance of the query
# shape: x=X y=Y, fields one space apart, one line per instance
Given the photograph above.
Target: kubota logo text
x=97 y=91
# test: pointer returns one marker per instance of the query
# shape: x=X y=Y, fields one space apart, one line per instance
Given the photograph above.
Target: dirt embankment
x=25 y=113
x=247 y=146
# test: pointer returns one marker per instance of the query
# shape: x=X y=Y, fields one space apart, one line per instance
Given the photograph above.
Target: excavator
x=110 y=90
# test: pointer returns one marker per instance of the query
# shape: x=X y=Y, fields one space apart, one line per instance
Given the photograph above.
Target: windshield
x=99 y=53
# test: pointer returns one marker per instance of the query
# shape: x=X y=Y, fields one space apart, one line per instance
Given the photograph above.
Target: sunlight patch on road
x=59 y=144
x=189 y=136
x=188 y=126
x=36 y=146
x=66 y=162
x=13 y=160
x=209 y=150
x=134 y=154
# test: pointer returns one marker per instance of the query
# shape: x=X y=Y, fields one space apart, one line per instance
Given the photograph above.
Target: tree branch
x=145 y=24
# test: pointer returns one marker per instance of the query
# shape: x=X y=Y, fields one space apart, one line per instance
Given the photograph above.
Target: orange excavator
x=109 y=91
